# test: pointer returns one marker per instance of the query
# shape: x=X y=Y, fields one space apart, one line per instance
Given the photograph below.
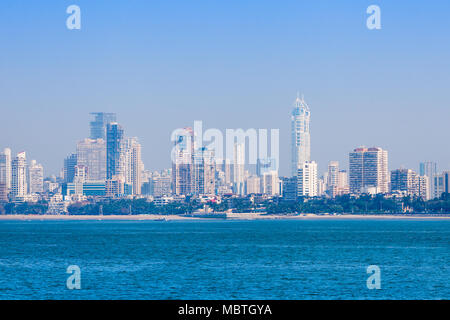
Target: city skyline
x=290 y=158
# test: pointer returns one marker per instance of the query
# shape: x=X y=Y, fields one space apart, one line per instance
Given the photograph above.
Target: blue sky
x=232 y=64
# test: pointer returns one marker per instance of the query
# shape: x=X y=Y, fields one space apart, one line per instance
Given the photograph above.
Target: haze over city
x=230 y=65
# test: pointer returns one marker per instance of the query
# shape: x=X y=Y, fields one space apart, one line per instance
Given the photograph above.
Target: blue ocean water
x=309 y=259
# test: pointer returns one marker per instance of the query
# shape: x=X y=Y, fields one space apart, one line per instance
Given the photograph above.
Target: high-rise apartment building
x=270 y=183
x=133 y=164
x=36 y=177
x=441 y=184
x=253 y=185
x=204 y=166
x=333 y=174
x=307 y=179
x=19 y=186
x=91 y=153
x=239 y=168
x=300 y=135
x=406 y=181
x=182 y=166
x=100 y=123
x=5 y=168
x=114 y=150
x=429 y=169
x=69 y=167
x=369 y=171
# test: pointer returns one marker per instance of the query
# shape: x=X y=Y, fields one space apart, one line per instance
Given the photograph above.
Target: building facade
x=307 y=179
x=99 y=125
x=36 y=177
x=91 y=153
x=19 y=184
x=369 y=171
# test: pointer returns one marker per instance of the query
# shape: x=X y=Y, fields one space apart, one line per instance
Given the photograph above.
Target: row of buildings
x=108 y=164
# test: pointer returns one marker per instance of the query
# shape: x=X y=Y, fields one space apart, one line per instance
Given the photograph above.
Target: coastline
x=230 y=216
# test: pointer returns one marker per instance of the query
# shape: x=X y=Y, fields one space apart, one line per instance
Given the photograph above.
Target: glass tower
x=301 y=138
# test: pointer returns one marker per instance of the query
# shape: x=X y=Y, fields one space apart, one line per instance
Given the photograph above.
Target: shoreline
x=230 y=216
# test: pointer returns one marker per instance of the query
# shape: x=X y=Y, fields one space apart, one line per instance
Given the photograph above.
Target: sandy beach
x=230 y=216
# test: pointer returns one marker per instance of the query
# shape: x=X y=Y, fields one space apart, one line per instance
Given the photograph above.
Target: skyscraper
x=369 y=171
x=92 y=154
x=333 y=174
x=114 y=150
x=133 y=164
x=204 y=171
x=429 y=169
x=36 y=177
x=182 y=167
x=239 y=168
x=69 y=167
x=5 y=168
x=100 y=123
x=19 y=185
x=300 y=135
x=307 y=179
x=406 y=181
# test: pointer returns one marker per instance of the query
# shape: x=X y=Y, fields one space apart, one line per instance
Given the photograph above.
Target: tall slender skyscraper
x=239 y=168
x=5 y=168
x=369 y=170
x=100 y=123
x=300 y=135
x=19 y=185
x=36 y=177
x=429 y=169
x=69 y=167
x=133 y=164
x=182 y=166
x=114 y=150
x=307 y=184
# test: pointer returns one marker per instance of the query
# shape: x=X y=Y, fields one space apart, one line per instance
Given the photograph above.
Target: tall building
x=405 y=181
x=19 y=186
x=253 y=185
x=270 y=184
x=160 y=184
x=333 y=174
x=182 y=167
x=3 y=193
x=5 y=168
x=289 y=188
x=100 y=123
x=441 y=184
x=424 y=187
x=429 y=169
x=36 y=177
x=239 y=168
x=114 y=150
x=69 y=167
x=204 y=171
x=369 y=171
x=300 y=135
x=91 y=153
x=307 y=179
x=133 y=164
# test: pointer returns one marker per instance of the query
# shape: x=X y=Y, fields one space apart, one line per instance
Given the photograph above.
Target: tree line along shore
x=365 y=204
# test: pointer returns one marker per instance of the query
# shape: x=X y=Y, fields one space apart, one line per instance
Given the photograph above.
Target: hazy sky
x=161 y=65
